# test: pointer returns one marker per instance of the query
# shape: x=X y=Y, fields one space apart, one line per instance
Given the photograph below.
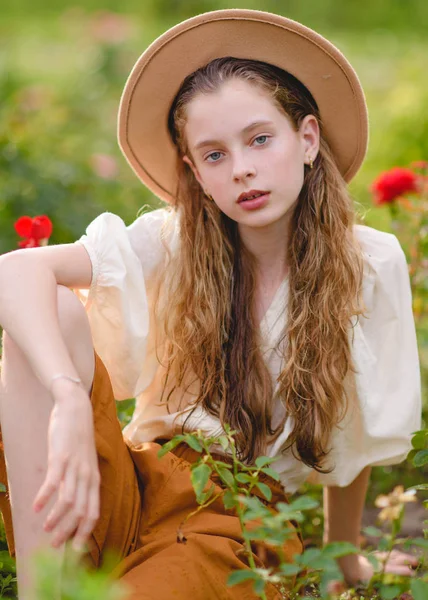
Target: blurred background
x=63 y=65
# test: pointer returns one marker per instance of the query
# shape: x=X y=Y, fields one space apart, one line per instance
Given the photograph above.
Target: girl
x=252 y=298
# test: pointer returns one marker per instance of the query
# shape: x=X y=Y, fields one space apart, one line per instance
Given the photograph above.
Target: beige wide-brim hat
x=159 y=72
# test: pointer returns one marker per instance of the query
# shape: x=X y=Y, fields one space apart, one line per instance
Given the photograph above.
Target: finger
x=49 y=486
x=65 y=529
x=65 y=501
x=404 y=558
x=88 y=523
x=399 y=570
x=68 y=525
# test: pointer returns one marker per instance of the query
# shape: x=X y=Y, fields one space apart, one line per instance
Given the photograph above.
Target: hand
x=357 y=568
x=72 y=467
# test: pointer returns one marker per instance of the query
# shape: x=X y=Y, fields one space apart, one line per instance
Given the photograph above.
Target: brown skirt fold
x=144 y=500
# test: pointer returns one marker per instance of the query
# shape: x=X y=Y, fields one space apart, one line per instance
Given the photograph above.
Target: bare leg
x=25 y=407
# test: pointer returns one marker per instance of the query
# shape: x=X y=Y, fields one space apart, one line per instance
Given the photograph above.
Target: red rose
x=394 y=183
x=36 y=231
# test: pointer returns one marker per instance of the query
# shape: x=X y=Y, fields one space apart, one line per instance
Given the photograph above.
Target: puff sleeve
x=124 y=260
x=385 y=406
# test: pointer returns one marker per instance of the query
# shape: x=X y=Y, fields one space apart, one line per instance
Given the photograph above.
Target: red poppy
x=394 y=183
x=36 y=231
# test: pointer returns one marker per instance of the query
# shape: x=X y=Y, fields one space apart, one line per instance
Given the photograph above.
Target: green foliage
x=316 y=568
x=57 y=117
x=77 y=582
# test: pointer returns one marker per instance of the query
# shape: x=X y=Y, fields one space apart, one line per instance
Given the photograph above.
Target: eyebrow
x=245 y=130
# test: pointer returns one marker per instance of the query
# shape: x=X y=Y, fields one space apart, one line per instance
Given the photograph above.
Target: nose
x=242 y=168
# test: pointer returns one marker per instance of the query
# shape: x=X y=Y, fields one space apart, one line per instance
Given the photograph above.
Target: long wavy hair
x=207 y=316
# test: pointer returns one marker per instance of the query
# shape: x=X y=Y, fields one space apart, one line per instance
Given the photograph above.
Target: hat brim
x=159 y=72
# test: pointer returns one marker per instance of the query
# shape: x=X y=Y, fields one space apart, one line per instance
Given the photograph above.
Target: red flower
x=36 y=231
x=394 y=183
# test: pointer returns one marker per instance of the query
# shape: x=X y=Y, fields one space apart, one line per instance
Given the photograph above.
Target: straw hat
x=157 y=76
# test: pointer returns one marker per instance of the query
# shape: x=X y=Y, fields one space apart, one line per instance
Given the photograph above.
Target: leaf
x=421 y=458
x=193 y=443
x=2 y=487
x=251 y=501
x=419 y=440
x=304 y=503
x=419 y=589
x=421 y=542
x=324 y=564
x=243 y=478
x=326 y=578
x=262 y=461
x=259 y=586
x=290 y=569
x=240 y=576
x=375 y=563
x=170 y=445
x=207 y=495
x=227 y=476
x=420 y=486
x=388 y=592
x=383 y=544
x=372 y=531
x=199 y=477
x=265 y=490
x=224 y=442
x=253 y=514
x=310 y=555
x=337 y=549
x=272 y=473
x=228 y=500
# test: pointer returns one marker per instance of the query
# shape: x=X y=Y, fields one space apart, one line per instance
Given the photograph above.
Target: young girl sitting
x=251 y=298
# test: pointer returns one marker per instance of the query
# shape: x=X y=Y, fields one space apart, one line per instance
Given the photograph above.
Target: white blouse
x=385 y=394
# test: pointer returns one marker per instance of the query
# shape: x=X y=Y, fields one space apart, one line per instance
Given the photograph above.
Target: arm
x=343 y=510
x=28 y=302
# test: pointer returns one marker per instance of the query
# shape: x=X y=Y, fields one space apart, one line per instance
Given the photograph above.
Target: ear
x=198 y=178
x=310 y=134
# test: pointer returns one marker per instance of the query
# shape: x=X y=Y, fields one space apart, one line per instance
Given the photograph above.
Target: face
x=240 y=141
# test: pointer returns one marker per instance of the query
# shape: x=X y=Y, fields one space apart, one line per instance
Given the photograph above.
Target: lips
x=250 y=195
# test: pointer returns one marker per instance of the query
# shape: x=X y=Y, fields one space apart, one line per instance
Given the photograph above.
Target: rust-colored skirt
x=144 y=499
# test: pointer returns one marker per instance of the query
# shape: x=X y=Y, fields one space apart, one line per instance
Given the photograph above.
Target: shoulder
x=152 y=235
x=161 y=221
x=382 y=252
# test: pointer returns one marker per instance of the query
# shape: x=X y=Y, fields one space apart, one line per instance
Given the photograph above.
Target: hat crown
x=242 y=33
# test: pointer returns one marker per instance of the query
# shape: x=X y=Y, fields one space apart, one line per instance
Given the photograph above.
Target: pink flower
x=111 y=28
x=420 y=164
x=336 y=588
x=104 y=166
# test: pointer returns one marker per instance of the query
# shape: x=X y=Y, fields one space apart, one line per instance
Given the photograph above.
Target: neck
x=269 y=247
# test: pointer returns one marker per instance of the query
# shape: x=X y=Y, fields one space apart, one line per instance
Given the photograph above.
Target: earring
x=208 y=196
x=311 y=163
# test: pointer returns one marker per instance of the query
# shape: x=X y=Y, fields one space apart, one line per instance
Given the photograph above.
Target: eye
x=260 y=140
x=214 y=155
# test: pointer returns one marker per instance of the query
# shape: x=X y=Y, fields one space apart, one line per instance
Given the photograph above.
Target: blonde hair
x=208 y=319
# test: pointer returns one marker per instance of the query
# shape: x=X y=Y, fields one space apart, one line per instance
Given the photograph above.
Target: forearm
x=29 y=314
x=343 y=509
